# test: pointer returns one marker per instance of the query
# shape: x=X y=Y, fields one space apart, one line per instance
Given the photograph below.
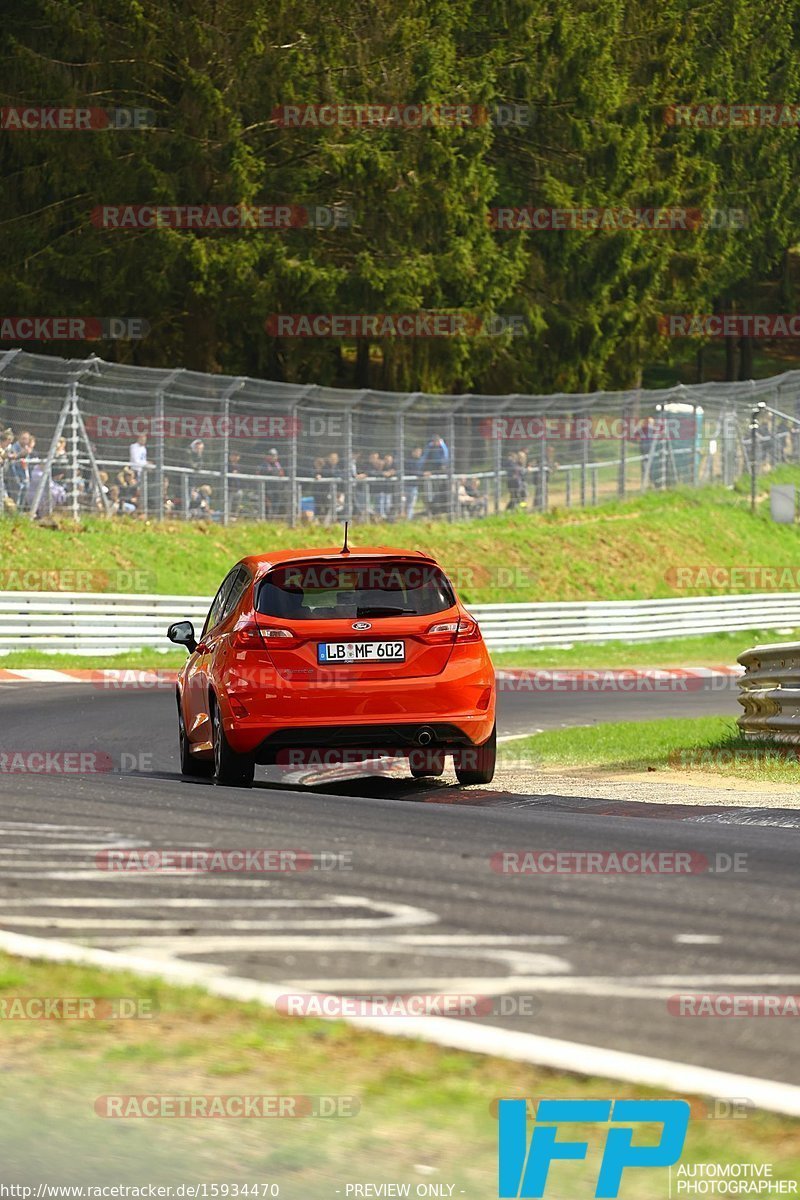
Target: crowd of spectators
x=380 y=488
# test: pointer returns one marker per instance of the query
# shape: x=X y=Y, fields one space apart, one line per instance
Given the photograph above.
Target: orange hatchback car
x=348 y=652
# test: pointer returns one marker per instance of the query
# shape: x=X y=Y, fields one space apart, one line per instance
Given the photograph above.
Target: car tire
x=423 y=763
x=230 y=769
x=475 y=764
x=195 y=768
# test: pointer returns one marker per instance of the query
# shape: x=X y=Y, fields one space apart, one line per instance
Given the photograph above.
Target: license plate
x=351 y=652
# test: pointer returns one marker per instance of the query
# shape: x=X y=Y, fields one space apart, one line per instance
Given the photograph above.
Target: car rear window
x=315 y=591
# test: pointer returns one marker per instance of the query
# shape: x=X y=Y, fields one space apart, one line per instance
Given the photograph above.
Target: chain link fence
x=87 y=436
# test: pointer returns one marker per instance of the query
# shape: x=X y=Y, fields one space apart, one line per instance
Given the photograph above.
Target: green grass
x=420 y=1105
x=677 y=746
x=708 y=649
x=140 y=660
x=617 y=551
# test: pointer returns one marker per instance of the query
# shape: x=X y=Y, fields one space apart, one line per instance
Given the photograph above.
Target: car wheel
x=230 y=768
x=426 y=762
x=202 y=768
x=475 y=764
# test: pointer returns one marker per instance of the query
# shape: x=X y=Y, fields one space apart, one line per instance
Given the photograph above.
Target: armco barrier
x=770 y=692
x=104 y=623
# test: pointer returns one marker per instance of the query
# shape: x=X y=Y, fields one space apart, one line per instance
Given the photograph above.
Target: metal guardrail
x=770 y=692
x=104 y=623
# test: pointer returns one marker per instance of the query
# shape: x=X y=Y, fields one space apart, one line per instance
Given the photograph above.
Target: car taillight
x=276 y=637
x=247 y=635
x=464 y=628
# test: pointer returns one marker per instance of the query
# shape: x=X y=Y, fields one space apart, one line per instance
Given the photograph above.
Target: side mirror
x=182 y=632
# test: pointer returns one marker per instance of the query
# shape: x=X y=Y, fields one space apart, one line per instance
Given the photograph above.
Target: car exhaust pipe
x=425 y=737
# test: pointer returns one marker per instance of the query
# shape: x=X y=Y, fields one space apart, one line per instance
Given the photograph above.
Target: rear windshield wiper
x=377 y=610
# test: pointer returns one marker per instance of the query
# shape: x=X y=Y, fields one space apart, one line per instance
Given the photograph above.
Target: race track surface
x=414 y=903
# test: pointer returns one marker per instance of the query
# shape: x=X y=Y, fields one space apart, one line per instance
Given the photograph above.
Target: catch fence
x=132 y=441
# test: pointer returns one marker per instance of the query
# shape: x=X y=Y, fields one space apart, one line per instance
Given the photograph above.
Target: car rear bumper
x=458 y=707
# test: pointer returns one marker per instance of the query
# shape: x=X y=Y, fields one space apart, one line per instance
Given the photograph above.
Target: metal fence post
x=159 y=454
x=542 y=497
x=498 y=470
x=584 y=466
x=623 y=446
x=451 y=445
x=293 y=497
x=348 y=466
x=402 y=503
x=74 y=472
x=226 y=442
x=753 y=458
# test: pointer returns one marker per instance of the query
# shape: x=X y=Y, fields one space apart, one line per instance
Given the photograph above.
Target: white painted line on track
x=697 y=939
x=555 y=1053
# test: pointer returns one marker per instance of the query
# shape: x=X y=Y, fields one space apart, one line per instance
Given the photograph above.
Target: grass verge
x=677 y=745
x=421 y=1106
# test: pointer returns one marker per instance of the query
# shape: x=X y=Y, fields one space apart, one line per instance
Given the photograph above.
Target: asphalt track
x=414 y=903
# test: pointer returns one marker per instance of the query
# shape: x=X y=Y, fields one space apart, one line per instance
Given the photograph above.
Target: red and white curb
x=112 y=678
x=511 y=678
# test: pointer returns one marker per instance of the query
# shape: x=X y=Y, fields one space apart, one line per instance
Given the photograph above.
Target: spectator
x=138 y=455
x=360 y=505
x=128 y=490
x=374 y=475
x=195 y=457
x=274 y=494
x=412 y=472
x=517 y=482
x=385 y=489
x=113 y=500
x=471 y=500
x=235 y=494
x=200 y=506
x=61 y=458
x=271 y=465
x=20 y=456
x=435 y=460
x=335 y=496
x=6 y=440
x=169 y=503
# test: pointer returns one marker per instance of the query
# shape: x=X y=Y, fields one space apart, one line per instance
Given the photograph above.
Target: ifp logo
x=524 y=1169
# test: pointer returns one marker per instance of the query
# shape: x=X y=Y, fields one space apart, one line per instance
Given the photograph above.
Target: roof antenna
x=345 y=548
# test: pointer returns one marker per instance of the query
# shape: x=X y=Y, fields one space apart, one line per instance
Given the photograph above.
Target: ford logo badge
x=362 y=625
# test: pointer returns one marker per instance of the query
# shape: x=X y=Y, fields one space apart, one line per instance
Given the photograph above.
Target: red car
x=353 y=652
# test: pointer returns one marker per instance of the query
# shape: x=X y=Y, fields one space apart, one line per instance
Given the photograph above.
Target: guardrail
x=104 y=623
x=770 y=692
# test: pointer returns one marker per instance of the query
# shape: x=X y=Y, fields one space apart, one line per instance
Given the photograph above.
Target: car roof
x=260 y=563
